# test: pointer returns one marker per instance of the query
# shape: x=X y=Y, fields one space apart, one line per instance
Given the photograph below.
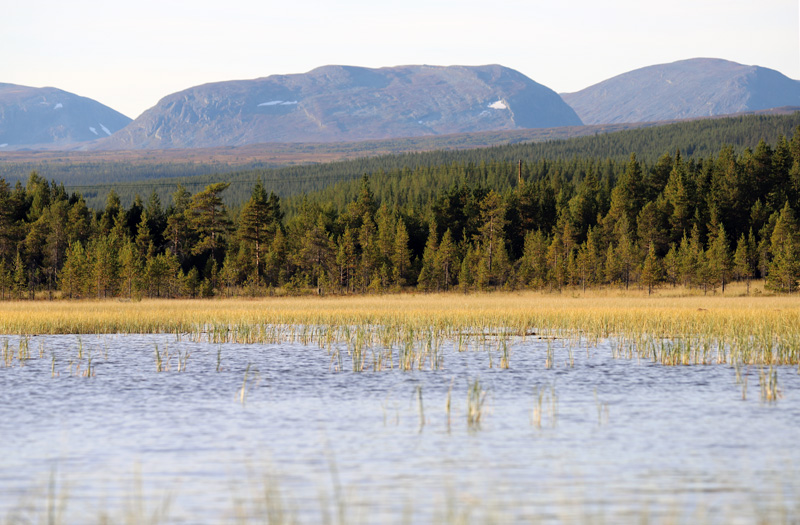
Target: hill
x=699 y=87
x=43 y=117
x=343 y=103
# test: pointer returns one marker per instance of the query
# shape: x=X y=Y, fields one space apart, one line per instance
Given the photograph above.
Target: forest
x=579 y=222
x=145 y=172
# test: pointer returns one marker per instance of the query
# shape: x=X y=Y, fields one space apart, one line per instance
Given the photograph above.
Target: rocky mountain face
x=44 y=117
x=343 y=103
x=699 y=87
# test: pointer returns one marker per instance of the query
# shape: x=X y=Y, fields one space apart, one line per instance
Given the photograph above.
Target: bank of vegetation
x=548 y=224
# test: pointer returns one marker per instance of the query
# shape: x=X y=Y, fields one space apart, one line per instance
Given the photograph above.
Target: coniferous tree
x=8 y=224
x=347 y=259
x=144 y=240
x=79 y=222
x=784 y=269
x=176 y=233
x=317 y=254
x=652 y=272
x=446 y=260
x=104 y=267
x=131 y=267
x=369 y=260
x=259 y=220
x=671 y=265
x=720 y=263
x=467 y=272
x=491 y=240
x=208 y=217
x=401 y=255
x=429 y=273
x=74 y=276
x=744 y=260
x=20 y=276
x=533 y=266
x=6 y=280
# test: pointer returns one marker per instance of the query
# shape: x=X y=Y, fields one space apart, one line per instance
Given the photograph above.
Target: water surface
x=612 y=439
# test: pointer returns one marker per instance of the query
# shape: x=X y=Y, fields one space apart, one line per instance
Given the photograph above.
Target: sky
x=128 y=54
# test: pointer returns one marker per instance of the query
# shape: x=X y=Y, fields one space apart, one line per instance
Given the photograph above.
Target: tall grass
x=672 y=330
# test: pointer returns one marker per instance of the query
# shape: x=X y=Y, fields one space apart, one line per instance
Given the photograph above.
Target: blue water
x=617 y=441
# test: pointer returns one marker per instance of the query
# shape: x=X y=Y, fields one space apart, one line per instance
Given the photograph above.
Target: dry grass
x=757 y=328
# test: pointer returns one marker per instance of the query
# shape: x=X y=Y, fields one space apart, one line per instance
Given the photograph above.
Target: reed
x=673 y=330
x=768 y=382
x=476 y=397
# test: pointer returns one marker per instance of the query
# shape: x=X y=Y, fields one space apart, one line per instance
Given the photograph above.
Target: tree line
x=578 y=223
x=94 y=178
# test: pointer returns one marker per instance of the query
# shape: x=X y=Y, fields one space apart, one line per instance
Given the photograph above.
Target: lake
x=282 y=432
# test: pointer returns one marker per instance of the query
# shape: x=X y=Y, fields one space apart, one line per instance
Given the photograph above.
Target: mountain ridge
x=346 y=103
x=692 y=88
x=52 y=116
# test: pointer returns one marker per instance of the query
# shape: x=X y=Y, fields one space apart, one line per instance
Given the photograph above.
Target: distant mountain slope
x=699 y=87
x=343 y=103
x=46 y=116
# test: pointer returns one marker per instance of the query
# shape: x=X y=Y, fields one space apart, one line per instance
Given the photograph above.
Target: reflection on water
x=226 y=432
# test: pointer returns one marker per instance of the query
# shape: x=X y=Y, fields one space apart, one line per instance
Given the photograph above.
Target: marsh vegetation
x=449 y=408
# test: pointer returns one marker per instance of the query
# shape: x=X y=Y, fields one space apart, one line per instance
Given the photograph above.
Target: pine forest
x=551 y=225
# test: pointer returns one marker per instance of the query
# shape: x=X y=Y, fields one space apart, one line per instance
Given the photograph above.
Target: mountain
x=48 y=116
x=345 y=103
x=698 y=87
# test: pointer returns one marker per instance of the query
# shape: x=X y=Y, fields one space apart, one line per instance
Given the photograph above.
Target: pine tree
x=401 y=255
x=744 y=260
x=144 y=240
x=208 y=217
x=671 y=265
x=275 y=268
x=719 y=258
x=467 y=272
x=131 y=265
x=446 y=260
x=491 y=236
x=156 y=272
x=557 y=261
x=8 y=225
x=20 y=277
x=176 y=233
x=6 y=281
x=257 y=225
x=784 y=269
x=347 y=259
x=317 y=254
x=369 y=260
x=74 y=275
x=104 y=267
x=533 y=265
x=652 y=272
x=428 y=279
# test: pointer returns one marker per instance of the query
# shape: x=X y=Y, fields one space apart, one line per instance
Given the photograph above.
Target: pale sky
x=128 y=54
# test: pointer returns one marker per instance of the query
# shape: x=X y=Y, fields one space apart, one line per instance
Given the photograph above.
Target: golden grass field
x=758 y=328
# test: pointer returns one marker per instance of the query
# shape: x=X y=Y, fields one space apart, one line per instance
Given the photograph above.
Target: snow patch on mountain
x=94 y=131
x=498 y=105
x=278 y=103
x=105 y=129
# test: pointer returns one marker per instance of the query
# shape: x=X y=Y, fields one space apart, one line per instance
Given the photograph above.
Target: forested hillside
x=700 y=221
x=695 y=139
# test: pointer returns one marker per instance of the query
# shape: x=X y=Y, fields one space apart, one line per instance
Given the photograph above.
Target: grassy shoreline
x=766 y=328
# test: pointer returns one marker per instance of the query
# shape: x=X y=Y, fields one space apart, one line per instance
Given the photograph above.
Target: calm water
x=625 y=440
